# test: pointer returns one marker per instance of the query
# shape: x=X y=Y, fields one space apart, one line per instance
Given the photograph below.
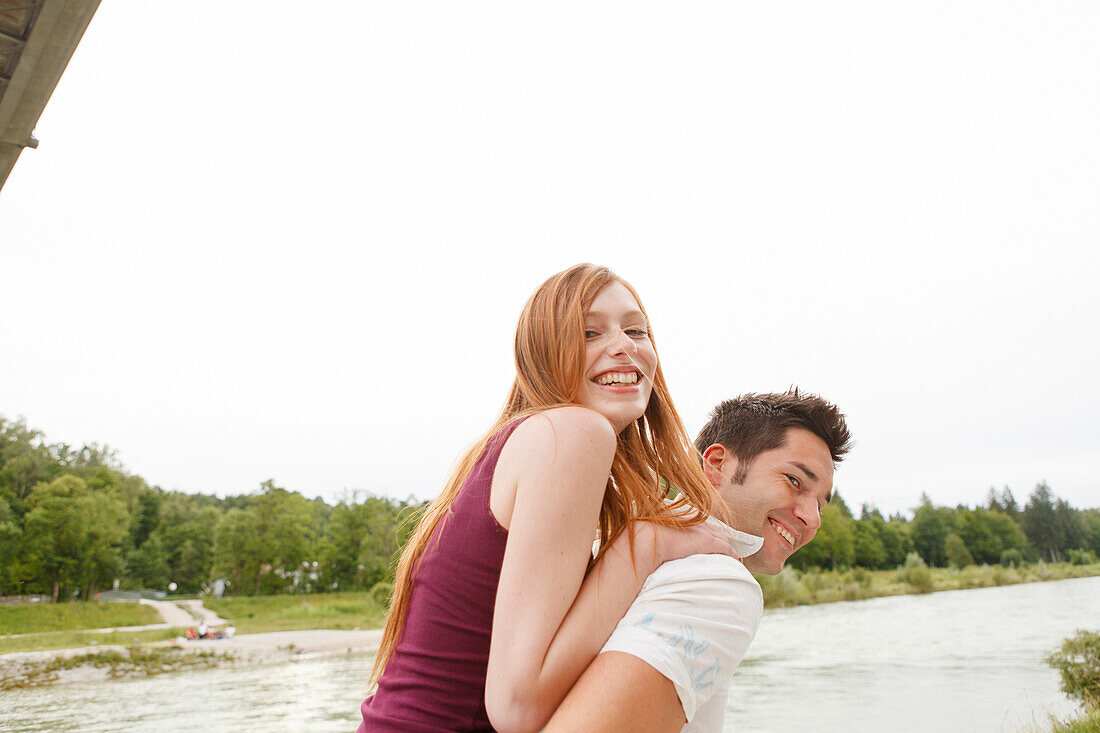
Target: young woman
x=497 y=608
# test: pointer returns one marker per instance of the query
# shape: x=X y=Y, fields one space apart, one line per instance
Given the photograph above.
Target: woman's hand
x=655 y=544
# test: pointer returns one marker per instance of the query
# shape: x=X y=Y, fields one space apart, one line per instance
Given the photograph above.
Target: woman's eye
x=590 y=334
x=637 y=333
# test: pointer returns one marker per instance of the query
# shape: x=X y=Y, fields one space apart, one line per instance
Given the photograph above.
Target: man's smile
x=782 y=531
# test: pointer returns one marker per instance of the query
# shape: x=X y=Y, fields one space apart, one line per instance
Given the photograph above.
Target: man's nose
x=808 y=512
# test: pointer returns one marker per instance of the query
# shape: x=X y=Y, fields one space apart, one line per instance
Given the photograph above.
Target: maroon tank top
x=435 y=679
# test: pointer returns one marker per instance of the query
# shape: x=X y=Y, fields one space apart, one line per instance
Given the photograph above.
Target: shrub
x=1088 y=723
x=977 y=576
x=862 y=576
x=813 y=580
x=1078 y=661
x=783 y=589
x=1005 y=575
x=957 y=554
x=1081 y=557
x=915 y=573
x=381 y=593
x=1012 y=558
x=853 y=592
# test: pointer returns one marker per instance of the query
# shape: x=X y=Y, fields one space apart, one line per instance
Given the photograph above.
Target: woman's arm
x=550 y=621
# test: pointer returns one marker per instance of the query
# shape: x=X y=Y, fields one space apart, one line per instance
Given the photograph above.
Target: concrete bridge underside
x=37 y=39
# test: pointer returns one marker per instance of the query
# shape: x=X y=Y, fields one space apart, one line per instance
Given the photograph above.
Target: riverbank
x=904 y=664
x=99 y=624
x=104 y=662
x=794 y=588
x=274 y=629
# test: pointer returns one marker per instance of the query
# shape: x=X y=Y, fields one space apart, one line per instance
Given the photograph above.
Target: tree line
x=73 y=521
x=1046 y=528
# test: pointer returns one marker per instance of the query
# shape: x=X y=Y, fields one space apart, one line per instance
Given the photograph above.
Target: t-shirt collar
x=743 y=543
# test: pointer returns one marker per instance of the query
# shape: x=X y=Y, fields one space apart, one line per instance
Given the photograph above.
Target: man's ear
x=715 y=457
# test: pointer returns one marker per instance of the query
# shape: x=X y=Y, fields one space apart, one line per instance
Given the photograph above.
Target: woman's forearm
x=603 y=599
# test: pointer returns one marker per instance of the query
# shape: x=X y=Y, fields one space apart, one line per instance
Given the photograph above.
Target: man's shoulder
x=715 y=586
x=693 y=621
x=701 y=568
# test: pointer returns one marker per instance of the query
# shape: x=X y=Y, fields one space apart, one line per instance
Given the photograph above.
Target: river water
x=953 y=661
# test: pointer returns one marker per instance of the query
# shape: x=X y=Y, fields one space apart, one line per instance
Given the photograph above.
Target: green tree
x=1072 y=532
x=896 y=541
x=239 y=550
x=977 y=532
x=929 y=533
x=73 y=536
x=25 y=462
x=186 y=525
x=286 y=523
x=1041 y=524
x=106 y=524
x=1091 y=519
x=147 y=566
x=869 y=549
x=145 y=510
x=361 y=542
x=53 y=530
x=956 y=552
x=10 y=535
x=833 y=546
x=341 y=545
x=1008 y=532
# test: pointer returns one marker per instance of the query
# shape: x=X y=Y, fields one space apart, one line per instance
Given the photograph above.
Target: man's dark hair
x=753 y=423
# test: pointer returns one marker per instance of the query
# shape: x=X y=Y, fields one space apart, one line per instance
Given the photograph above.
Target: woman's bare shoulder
x=560 y=431
x=568 y=424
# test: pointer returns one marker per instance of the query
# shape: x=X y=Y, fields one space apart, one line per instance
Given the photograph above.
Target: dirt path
x=172 y=614
x=202 y=613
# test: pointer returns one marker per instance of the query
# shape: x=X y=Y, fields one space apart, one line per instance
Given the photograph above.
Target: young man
x=668 y=664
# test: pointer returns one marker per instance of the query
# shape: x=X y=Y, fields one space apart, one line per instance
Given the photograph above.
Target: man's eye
x=794 y=480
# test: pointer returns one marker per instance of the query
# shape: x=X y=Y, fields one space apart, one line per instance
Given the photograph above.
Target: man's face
x=781 y=498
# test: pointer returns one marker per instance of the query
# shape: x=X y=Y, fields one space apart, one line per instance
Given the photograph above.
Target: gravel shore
x=249 y=649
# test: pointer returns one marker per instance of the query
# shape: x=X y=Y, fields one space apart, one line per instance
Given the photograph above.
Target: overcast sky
x=274 y=240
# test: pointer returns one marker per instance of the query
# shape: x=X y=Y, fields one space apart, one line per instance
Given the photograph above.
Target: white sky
x=280 y=240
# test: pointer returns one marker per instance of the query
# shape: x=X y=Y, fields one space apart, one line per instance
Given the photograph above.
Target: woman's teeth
x=783 y=533
x=618 y=378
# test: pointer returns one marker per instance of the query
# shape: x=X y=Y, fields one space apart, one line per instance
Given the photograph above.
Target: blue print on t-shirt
x=702 y=676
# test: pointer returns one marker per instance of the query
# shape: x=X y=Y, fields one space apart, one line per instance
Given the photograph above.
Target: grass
x=34 y=618
x=794 y=588
x=132 y=662
x=1085 y=723
x=255 y=614
x=71 y=639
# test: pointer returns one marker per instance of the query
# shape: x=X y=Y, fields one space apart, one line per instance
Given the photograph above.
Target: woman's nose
x=621 y=343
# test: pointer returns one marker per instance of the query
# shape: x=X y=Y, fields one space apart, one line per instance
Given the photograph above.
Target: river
x=952 y=661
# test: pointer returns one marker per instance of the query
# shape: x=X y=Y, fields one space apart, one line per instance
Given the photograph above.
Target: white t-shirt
x=693 y=621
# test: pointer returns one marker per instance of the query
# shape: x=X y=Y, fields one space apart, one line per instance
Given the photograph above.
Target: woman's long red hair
x=549 y=351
